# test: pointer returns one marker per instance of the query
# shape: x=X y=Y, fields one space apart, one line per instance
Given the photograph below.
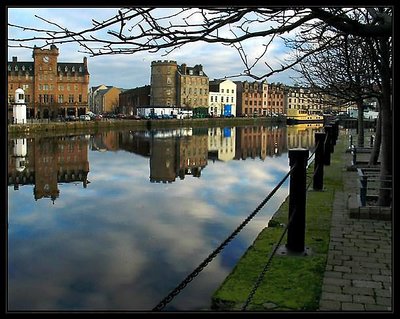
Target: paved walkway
x=358 y=274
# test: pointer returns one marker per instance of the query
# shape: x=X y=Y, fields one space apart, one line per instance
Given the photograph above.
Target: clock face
x=46 y=59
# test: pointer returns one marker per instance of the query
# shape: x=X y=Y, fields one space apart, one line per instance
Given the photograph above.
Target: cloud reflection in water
x=123 y=243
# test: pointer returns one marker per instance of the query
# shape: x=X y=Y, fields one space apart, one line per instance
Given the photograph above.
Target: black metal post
x=318 y=180
x=297 y=200
x=328 y=145
x=350 y=140
x=363 y=190
x=371 y=141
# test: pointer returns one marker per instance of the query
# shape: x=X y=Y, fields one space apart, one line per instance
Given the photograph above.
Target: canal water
x=115 y=221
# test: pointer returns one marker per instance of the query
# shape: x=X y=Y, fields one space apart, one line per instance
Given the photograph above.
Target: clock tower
x=46 y=60
x=45 y=68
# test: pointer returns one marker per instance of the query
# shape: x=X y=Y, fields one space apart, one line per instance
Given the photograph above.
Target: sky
x=133 y=70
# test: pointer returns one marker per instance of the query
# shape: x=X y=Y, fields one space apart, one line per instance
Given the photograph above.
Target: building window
x=80 y=97
x=222 y=90
x=71 y=98
x=61 y=98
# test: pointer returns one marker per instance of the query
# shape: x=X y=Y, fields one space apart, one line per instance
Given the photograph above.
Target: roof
x=62 y=67
x=197 y=70
x=21 y=67
x=105 y=91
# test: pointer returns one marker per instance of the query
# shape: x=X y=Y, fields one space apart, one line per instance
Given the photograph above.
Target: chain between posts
x=210 y=257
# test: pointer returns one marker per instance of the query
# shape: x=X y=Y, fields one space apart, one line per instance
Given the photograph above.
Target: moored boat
x=295 y=116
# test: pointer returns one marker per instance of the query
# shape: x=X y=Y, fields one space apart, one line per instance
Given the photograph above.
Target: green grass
x=291 y=282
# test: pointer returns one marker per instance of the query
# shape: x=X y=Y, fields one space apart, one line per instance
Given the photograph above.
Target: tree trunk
x=360 y=123
x=385 y=192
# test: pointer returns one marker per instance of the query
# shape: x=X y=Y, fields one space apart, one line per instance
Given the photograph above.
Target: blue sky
x=129 y=71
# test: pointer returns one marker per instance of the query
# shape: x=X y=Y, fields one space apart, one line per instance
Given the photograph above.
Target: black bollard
x=363 y=190
x=350 y=140
x=318 y=180
x=297 y=200
x=328 y=145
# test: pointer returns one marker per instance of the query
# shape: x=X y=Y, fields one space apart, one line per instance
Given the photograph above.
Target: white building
x=19 y=107
x=222 y=98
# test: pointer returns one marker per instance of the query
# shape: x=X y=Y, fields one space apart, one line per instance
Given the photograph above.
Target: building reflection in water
x=47 y=161
x=173 y=153
x=303 y=135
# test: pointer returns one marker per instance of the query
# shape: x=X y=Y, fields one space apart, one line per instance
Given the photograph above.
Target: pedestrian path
x=358 y=274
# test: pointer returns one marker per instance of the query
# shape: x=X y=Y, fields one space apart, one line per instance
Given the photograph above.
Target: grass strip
x=291 y=283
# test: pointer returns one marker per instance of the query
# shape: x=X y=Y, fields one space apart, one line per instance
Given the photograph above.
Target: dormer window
x=80 y=69
x=16 y=68
x=58 y=68
x=73 y=69
x=23 y=68
x=9 y=67
x=66 y=69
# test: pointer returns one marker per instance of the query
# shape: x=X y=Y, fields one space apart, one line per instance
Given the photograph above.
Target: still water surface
x=115 y=221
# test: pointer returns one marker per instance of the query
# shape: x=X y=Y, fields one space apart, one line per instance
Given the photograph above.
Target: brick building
x=131 y=100
x=51 y=88
x=276 y=99
x=251 y=97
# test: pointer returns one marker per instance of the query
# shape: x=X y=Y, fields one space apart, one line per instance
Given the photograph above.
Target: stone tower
x=163 y=82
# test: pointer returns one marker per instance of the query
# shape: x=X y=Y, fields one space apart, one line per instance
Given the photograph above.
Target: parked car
x=70 y=118
x=84 y=117
x=133 y=117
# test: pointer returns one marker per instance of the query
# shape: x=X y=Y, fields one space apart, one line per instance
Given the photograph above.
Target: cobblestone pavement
x=358 y=274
